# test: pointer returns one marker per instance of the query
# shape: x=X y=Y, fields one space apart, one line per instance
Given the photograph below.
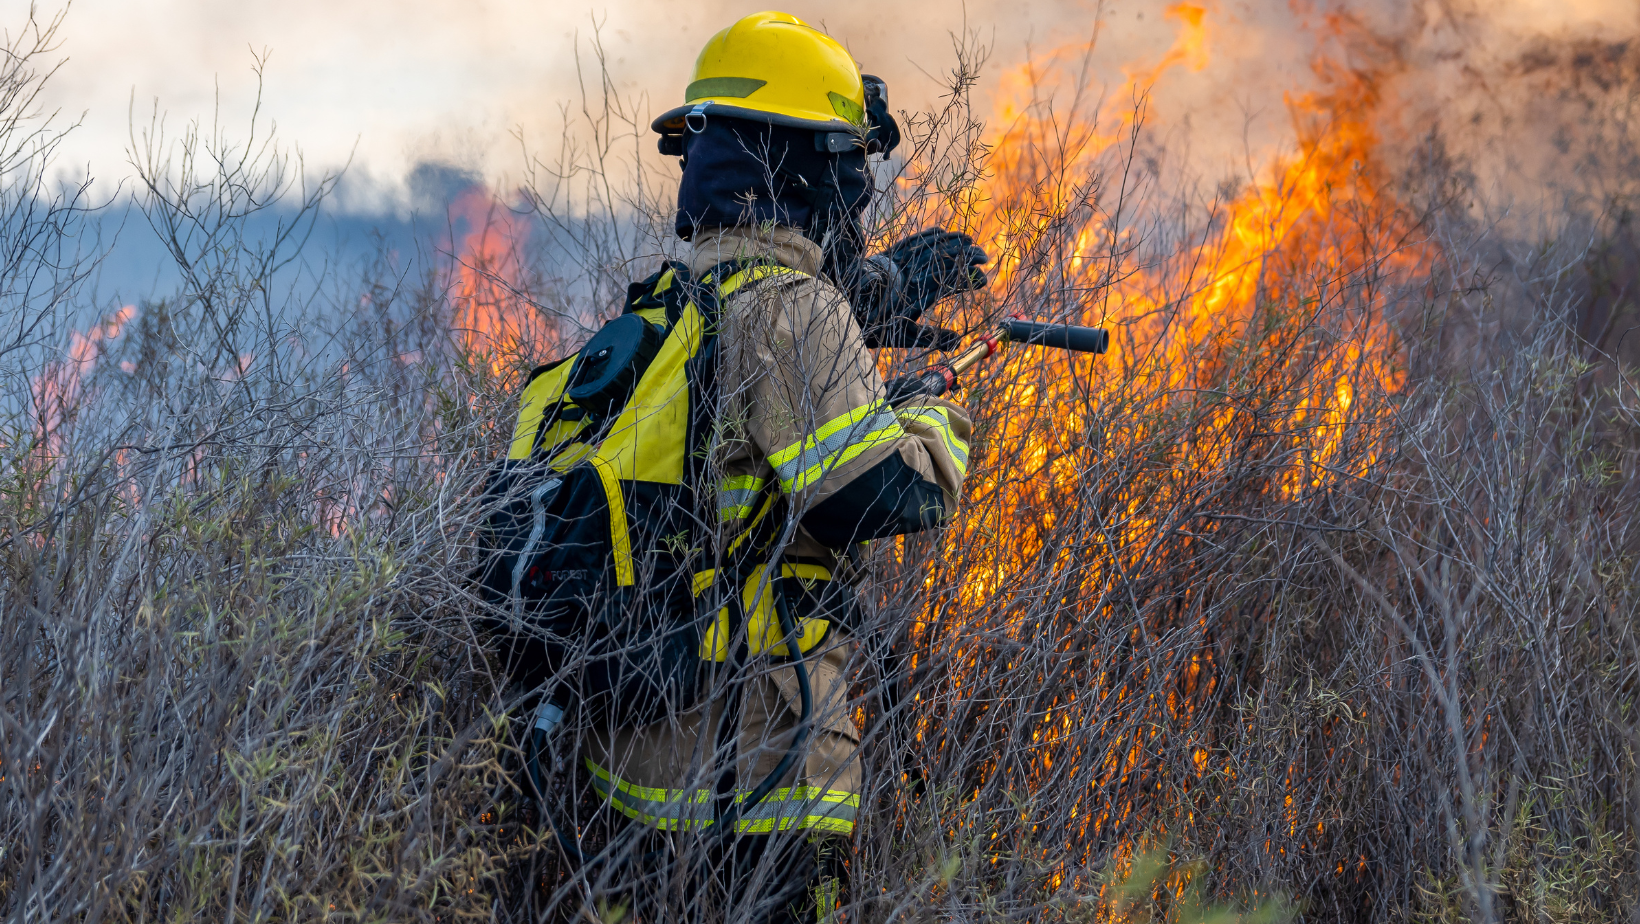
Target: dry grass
x=1378 y=658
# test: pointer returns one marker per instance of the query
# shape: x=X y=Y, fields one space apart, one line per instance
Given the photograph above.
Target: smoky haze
x=397 y=84
x=393 y=87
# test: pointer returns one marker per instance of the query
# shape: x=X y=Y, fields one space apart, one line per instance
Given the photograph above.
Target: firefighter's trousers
x=665 y=774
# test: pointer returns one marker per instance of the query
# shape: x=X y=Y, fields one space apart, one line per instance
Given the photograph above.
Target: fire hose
x=942 y=377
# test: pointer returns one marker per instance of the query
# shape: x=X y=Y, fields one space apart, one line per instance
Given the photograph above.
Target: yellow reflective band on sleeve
x=620 y=539
x=665 y=282
x=938 y=419
x=763 y=632
x=839 y=440
x=736 y=495
x=804 y=808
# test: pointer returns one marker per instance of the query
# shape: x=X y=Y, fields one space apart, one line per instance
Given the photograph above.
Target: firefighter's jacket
x=803 y=409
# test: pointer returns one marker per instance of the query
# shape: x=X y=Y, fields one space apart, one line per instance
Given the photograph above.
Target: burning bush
x=1320 y=586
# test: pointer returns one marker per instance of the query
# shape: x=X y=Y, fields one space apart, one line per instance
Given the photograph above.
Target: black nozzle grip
x=1063 y=336
x=920 y=384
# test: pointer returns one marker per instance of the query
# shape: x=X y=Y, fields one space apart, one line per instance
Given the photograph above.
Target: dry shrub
x=1368 y=646
x=1340 y=607
x=237 y=674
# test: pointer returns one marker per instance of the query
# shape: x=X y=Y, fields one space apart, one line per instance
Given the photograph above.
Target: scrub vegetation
x=1315 y=597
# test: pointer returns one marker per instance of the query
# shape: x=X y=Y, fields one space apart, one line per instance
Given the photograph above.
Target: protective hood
x=738 y=172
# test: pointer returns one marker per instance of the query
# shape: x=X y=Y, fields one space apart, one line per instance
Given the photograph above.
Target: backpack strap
x=652 y=292
x=732 y=276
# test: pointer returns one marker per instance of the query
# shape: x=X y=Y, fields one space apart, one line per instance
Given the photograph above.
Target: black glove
x=935 y=382
x=895 y=288
x=934 y=265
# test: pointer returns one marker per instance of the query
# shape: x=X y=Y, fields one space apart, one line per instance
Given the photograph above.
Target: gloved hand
x=935 y=264
x=933 y=383
x=897 y=286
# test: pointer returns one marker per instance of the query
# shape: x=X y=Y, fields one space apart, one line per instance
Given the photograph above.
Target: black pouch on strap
x=611 y=364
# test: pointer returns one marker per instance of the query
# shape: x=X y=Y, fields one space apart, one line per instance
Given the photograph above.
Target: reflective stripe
x=620 y=539
x=938 y=419
x=826 y=896
x=763 y=632
x=840 y=440
x=802 y=807
x=735 y=496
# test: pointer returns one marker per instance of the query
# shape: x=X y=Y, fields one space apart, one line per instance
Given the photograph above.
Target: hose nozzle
x=1063 y=336
x=943 y=376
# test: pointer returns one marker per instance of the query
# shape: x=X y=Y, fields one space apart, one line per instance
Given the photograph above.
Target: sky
x=421 y=98
x=386 y=86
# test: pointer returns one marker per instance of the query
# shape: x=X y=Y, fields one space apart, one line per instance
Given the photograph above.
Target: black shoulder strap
x=538 y=371
x=646 y=293
x=705 y=294
x=667 y=288
x=701 y=292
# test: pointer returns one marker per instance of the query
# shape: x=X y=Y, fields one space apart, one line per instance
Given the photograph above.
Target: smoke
x=1535 y=100
x=441 y=81
x=477 y=87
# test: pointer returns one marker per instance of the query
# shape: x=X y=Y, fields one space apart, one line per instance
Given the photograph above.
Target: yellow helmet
x=774 y=67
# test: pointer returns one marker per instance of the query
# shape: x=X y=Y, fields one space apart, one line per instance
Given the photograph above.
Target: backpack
x=603 y=547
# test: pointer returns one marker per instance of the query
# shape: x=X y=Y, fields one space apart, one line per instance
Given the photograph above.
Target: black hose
x=800 y=735
x=726 y=826
x=532 y=760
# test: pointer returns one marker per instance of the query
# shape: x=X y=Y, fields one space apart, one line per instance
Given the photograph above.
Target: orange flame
x=1282 y=246
x=1306 y=215
x=489 y=286
x=60 y=386
x=1034 y=148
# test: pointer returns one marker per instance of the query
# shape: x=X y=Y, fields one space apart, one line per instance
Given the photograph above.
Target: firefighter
x=775 y=136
